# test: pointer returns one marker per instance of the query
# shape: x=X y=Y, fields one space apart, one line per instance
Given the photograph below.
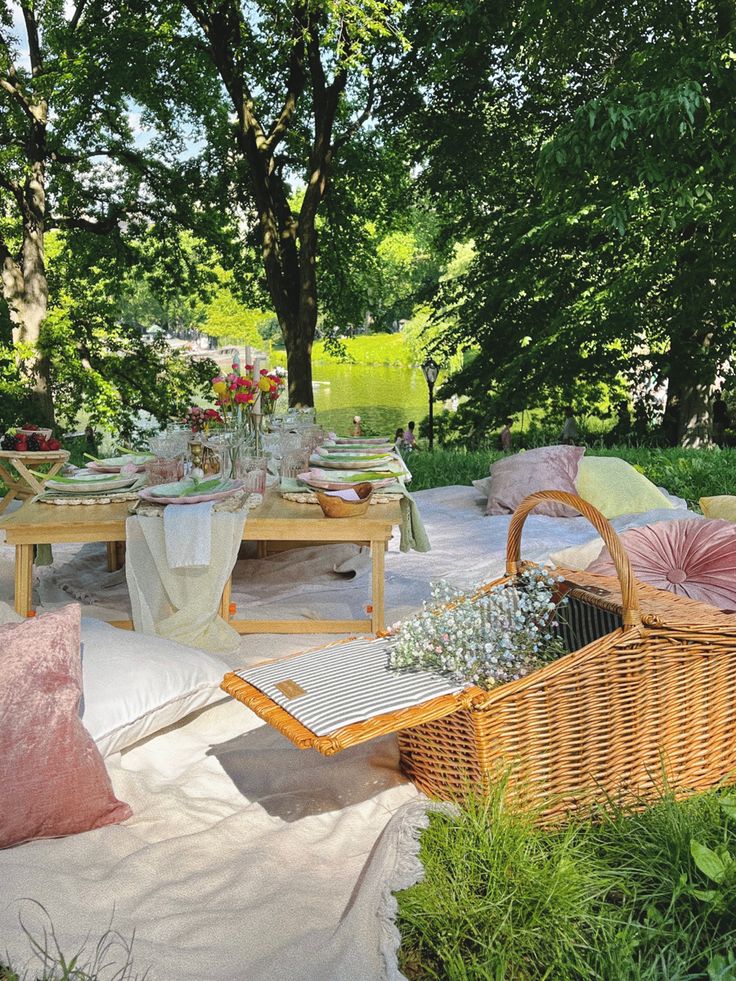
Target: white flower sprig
x=488 y=640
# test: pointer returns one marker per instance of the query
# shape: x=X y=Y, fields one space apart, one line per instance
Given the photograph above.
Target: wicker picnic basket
x=651 y=693
x=647 y=693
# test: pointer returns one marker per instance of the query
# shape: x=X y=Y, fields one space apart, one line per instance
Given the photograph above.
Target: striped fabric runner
x=337 y=686
x=581 y=623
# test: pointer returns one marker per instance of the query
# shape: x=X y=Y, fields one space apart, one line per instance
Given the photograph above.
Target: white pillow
x=136 y=684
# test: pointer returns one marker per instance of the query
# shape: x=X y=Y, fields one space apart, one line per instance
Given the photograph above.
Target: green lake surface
x=384 y=396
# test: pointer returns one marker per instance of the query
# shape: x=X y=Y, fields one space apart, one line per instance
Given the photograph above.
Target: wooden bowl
x=336 y=507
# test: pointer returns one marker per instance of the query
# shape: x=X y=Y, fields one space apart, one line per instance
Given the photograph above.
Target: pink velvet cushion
x=545 y=468
x=53 y=780
x=690 y=558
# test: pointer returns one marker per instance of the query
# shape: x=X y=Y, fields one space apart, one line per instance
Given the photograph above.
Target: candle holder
x=203 y=456
x=195 y=452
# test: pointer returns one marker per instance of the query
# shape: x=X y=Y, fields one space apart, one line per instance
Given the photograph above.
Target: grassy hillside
x=370 y=349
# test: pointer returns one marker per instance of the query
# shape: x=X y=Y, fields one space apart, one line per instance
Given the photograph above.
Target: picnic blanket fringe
x=405 y=828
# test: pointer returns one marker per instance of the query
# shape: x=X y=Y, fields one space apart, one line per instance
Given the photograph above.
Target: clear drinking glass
x=292 y=464
x=252 y=469
x=164 y=470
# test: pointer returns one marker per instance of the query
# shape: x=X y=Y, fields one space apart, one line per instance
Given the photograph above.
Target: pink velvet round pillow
x=53 y=780
x=690 y=558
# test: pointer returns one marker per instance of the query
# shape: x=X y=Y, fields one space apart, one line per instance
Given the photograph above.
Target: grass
x=691 y=474
x=110 y=956
x=617 y=898
x=631 y=896
x=370 y=349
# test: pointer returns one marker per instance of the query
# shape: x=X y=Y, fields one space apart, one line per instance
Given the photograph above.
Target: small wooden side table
x=27 y=484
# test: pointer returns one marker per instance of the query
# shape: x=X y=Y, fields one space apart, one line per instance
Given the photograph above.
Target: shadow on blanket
x=291 y=784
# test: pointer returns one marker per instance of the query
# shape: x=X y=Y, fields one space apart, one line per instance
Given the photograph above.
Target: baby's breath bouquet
x=497 y=637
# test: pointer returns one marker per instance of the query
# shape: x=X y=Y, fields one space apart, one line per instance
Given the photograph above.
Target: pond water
x=384 y=396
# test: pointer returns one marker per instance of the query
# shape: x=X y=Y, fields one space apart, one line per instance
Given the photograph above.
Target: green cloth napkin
x=413 y=533
x=44 y=555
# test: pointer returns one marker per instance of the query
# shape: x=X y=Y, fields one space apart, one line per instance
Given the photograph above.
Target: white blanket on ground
x=182 y=603
x=245 y=859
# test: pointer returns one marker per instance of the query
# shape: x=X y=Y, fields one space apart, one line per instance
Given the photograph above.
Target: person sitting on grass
x=357 y=426
x=505 y=439
x=399 y=440
x=569 y=434
x=410 y=441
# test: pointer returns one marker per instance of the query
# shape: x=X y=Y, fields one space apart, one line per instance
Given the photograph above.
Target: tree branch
x=221 y=27
x=15 y=93
x=34 y=45
x=338 y=83
x=5 y=252
x=77 y=15
x=315 y=62
x=725 y=17
x=71 y=158
x=295 y=83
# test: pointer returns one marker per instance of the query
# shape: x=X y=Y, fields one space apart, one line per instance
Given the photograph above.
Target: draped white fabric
x=182 y=603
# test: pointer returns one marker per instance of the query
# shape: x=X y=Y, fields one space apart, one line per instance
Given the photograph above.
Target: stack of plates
x=357 y=449
x=364 y=440
x=332 y=480
x=114 y=464
x=85 y=482
x=351 y=461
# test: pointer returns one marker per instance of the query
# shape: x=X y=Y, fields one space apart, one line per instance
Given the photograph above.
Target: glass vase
x=227 y=445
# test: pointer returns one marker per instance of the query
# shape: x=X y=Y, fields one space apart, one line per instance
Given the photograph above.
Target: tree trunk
x=24 y=280
x=288 y=243
x=691 y=378
x=26 y=291
x=298 y=340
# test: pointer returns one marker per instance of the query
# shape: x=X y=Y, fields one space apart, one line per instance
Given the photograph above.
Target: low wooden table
x=276 y=520
x=27 y=484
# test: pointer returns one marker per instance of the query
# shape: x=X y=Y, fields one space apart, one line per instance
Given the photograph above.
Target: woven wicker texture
x=604 y=722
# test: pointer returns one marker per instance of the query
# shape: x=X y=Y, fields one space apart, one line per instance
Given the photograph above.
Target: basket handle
x=629 y=592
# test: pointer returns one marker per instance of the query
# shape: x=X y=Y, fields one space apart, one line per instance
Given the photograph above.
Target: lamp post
x=431 y=369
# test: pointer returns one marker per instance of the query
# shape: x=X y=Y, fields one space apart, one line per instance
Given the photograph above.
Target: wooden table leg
x=225 y=601
x=23 y=579
x=115 y=555
x=378 y=550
